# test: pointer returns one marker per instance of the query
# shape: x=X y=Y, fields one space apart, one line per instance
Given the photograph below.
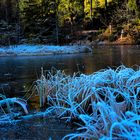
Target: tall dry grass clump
x=105 y=104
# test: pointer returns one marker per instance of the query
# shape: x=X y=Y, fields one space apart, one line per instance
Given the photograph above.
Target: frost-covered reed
x=8 y=111
x=105 y=104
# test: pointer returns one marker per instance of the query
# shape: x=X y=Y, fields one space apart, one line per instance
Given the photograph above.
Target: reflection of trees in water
x=116 y=56
x=103 y=58
x=110 y=57
x=24 y=70
x=130 y=56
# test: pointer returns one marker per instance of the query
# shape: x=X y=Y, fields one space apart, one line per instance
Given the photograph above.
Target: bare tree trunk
x=57 y=29
x=105 y=3
x=91 y=9
x=18 y=22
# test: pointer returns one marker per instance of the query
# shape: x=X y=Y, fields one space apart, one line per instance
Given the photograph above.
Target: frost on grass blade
x=99 y=102
x=9 y=112
x=104 y=105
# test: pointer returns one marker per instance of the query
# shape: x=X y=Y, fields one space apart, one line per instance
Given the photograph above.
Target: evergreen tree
x=39 y=18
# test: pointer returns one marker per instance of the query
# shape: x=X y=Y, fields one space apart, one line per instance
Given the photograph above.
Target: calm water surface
x=18 y=73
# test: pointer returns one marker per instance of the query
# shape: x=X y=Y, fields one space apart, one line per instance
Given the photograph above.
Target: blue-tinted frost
x=106 y=103
x=42 y=50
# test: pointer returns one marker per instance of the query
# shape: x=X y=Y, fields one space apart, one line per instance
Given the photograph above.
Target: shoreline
x=104 y=43
x=42 y=50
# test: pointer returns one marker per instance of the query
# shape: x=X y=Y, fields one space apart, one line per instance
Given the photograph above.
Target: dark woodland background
x=67 y=21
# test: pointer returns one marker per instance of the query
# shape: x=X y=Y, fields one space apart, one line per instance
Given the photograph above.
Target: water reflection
x=20 y=72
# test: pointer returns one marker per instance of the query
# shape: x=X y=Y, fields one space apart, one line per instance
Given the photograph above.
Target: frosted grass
x=105 y=104
x=27 y=49
x=8 y=111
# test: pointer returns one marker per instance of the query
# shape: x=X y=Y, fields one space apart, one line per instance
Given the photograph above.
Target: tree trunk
x=57 y=27
x=90 y=9
x=105 y=3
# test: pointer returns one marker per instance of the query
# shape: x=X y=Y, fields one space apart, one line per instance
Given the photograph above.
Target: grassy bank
x=29 y=50
x=104 y=105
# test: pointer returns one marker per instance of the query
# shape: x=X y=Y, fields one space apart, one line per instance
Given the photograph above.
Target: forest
x=69 y=21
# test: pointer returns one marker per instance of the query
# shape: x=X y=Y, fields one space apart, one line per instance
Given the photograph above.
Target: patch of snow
x=42 y=50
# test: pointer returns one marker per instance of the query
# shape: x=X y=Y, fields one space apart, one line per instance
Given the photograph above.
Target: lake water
x=18 y=73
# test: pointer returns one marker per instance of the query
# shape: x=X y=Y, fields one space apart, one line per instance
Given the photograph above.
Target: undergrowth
x=104 y=105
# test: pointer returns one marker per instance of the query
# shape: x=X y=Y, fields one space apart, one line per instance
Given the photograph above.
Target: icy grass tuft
x=105 y=104
x=8 y=111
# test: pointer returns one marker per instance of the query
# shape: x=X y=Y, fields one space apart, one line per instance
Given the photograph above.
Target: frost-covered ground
x=48 y=128
x=42 y=50
x=104 y=105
